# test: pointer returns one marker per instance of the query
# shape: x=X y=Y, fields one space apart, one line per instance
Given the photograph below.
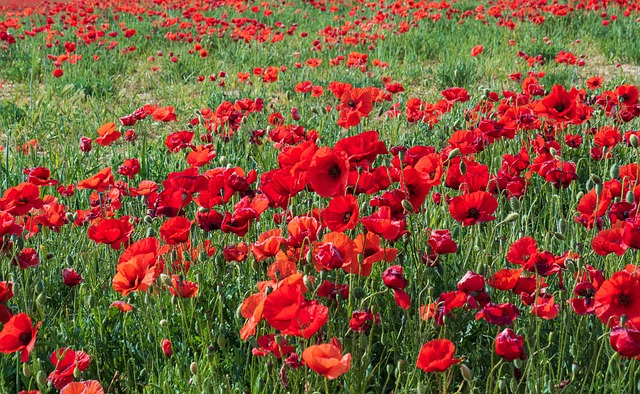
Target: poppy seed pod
x=633 y=140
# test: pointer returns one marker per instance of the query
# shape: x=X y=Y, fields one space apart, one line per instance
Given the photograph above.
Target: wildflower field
x=321 y=196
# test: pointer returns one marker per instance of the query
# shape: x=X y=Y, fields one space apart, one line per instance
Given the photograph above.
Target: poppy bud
x=579 y=196
x=630 y=197
x=164 y=322
x=599 y=187
x=151 y=232
x=559 y=236
x=517 y=363
x=69 y=216
x=91 y=301
x=359 y=293
x=76 y=373
x=26 y=370
x=41 y=378
x=463 y=168
x=422 y=389
x=453 y=154
x=562 y=226
x=20 y=243
x=193 y=368
x=553 y=151
x=165 y=280
x=596 y=179
x=148 y=220
x=85 y=144
x=614 y=172
x=575 y=368
x=589 y=184
x=307 y=281
x=223 y=160
x=408 y=207
x=295 y=115
x=401 y=366
x=39 y=288
x=512 y=217
x=466 y=372
x=221 y=341
x=390 y=368
x=633 y=140
x=502 y=385
x=41 y=299
x=167 y=348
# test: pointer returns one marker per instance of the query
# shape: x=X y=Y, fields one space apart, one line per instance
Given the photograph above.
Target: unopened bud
x=165 y=280
x=633 y=140
x=221 y=341
x=512 y=217
x=599 y=187
x=515 y=204
x=630 y=197
x=307 y=282
x=562 y=226
x=453 y=154
x=193 y=368
x=164 y=322
x=69 y=216
x=614 y=171
x=466 y=372
x=26 y=370
x=148 y=219
x=151 y=232
x=41 y=378
x=463 y=168
x=76 y=373
x=575 y=368
x=596 y=179
x=359 y=293
x=223 y=160
x=39 y=288
x=559 y=236
x=422 y=389
x=406 y=204
x=553 y=151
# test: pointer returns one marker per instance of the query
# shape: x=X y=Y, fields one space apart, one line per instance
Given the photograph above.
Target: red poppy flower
x=328 y=172
x=134 y=275
x=470 y=209
x=618 y=296
x=270 y=345
x=335 y=251
x=28 y=257
x=18 y=335
x=18 y=200
x=113 y=232
x=369 y=247
x=183 y=288
x=327 y=360
x=476 y=50
x=6 y=291
x=560 y=105
x=342 y=213
x=107 y=134
x=510 y=346
x=40 y=176
x=626 y=340
x=129 y=168
x=502 y=314
x=175 y=230
x=437 y=356
x=84 y=387
x=66 y=360
x=122 y=306
x=99 y=182
x=71 y=278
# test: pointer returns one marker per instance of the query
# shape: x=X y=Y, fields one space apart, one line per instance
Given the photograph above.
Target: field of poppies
x=319 y=196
